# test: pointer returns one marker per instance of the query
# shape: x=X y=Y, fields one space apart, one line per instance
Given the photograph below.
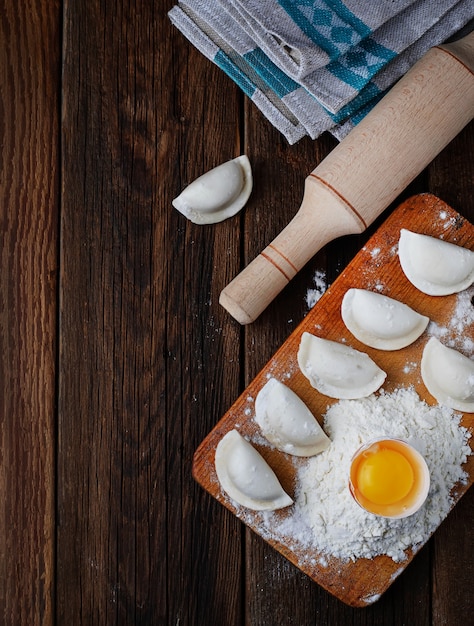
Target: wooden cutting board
x=376 y=266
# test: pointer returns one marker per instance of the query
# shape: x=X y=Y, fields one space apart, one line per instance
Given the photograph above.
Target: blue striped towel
x=317 y=65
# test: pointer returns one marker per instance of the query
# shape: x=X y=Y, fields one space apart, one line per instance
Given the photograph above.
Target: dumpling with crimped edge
x=287 y=422
x=379 y=321
x=218 y=194
x=434 y=266
x=448 y=375
x=337 y=370
x=245 y=475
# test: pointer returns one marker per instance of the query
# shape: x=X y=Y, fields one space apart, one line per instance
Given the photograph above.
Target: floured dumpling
x=287 y=422
x=246 y=477
x=434 y=266
x=217 y=194
x=379 y=321
x=448 y=375
x=337 y=370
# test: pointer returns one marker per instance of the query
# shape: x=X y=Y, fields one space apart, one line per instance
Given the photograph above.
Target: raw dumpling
x=287 y=422
x=337 y=370
x=379 y=321
x=448 y=375
x=217 y=194
x=246 y=477
x=434 y=266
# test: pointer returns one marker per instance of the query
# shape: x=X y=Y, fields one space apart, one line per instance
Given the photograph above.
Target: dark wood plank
x=149 y=361
x=29 y=189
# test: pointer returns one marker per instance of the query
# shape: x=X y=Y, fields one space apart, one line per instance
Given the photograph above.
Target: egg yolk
x=385 y=476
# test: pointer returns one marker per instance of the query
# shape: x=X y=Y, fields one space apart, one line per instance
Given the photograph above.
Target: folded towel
x=317 y=65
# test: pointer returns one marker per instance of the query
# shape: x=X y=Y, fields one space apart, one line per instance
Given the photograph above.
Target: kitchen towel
x=317 y=65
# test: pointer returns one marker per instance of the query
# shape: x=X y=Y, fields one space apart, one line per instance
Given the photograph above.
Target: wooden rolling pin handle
x=402 y=134
x=258 y=284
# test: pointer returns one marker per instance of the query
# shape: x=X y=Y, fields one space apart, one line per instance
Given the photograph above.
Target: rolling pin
x=366 y=171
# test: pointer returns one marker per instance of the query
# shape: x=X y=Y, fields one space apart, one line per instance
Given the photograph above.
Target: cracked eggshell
x=379 y=321
x=245 y=475
x=448 y=375
x=218 y=194
x=337 y=370
x=434 y=266
x=286 y=421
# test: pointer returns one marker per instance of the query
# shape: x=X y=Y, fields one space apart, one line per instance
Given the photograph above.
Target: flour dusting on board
x=453 y=333
x=325 y=518
x=337 y=523
x=320 y=285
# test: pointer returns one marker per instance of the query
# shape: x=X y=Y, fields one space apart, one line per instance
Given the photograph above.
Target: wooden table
x=116 y=359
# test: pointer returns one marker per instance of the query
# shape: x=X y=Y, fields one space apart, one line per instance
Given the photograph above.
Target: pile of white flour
x=326 y=518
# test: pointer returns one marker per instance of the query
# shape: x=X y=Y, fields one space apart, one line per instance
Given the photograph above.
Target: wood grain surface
x=376 y=268
x=116 y=359
x=30 y=57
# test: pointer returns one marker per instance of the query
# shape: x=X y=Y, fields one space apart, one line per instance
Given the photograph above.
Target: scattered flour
x=374 y=253
x=325 y=518
x=409 y=367
x=453 y=334
x=320 y=286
